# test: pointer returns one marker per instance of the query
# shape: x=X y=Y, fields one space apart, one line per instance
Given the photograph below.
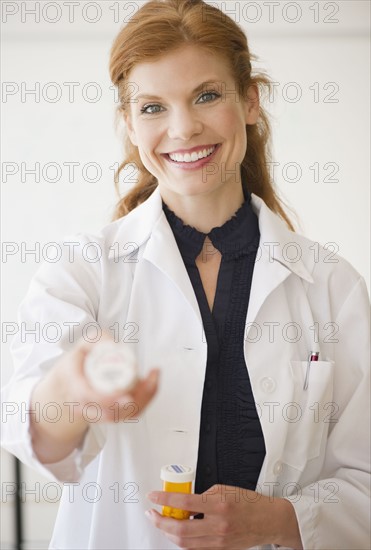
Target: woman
x=197 y=276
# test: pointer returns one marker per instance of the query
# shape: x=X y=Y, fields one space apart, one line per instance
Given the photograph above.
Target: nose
x=184 y=124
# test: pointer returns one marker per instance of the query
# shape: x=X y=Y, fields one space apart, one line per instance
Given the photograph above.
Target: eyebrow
x=199 y=88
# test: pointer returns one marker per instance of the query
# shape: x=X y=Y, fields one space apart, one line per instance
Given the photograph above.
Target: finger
x=184 y=533
x=187 y=529
x=141 y=394
x=126 y=407
x=190 y=502
x=145 y=389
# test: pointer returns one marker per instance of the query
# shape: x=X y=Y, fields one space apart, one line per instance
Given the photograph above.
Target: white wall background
x=316 y=52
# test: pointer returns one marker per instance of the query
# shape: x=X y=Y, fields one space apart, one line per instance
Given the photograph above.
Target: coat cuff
x=306 y=516
x=16 y=437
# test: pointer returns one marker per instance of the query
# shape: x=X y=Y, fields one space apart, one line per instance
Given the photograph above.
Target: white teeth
x=193 y=157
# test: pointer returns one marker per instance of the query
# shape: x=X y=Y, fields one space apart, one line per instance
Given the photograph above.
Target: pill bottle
x=111 y=367
x=177 y=479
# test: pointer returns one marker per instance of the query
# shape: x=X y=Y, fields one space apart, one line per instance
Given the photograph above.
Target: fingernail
x=152 y=497
x=148 y=513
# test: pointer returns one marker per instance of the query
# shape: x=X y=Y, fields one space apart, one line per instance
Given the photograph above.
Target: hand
x=69 y=375
x=233 y=518
x=67 y=386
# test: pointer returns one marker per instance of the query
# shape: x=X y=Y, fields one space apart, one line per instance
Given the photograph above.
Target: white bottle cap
x=111 y=367
x=177 y=473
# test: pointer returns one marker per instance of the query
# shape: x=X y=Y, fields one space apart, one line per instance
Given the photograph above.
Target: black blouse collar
x=236 y=237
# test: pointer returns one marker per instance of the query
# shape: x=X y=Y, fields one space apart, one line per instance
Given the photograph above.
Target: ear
x=130 y=128
x=252 y=104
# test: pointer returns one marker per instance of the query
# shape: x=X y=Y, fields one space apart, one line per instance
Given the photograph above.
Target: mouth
x=194 y=158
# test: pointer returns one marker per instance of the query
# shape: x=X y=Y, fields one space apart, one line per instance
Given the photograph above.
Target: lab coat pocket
x=310 y=413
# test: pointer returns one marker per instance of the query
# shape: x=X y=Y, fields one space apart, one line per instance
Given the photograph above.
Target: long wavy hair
x=160 y=27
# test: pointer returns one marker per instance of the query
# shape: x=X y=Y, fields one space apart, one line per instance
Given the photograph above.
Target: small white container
x=111 y=367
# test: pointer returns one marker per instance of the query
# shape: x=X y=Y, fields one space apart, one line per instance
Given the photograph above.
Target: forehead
x=181 y=69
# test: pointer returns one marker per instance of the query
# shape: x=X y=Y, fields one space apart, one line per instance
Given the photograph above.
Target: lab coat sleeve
x=60 y=306
x=334 y=512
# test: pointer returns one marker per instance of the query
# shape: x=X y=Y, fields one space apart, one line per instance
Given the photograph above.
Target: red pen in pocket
x=313 y=356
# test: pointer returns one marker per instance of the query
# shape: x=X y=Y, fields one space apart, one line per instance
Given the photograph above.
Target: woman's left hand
x=233 y=518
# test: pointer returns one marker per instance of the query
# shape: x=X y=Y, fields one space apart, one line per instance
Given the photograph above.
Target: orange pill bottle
x=177 y=479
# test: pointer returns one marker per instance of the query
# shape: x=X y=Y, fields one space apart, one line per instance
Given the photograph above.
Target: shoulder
x=84 y=256
x=327 y=275
x=324 y=262
x=335 y=279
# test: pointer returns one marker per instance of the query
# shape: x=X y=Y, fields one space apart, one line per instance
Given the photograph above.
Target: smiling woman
x=235 y=373
x=186 y=123
x=222 y=69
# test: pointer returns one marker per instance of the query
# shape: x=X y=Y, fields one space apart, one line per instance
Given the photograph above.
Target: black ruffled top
x=231 y=443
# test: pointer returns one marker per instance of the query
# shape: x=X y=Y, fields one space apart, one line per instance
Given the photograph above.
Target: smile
x=192 y=157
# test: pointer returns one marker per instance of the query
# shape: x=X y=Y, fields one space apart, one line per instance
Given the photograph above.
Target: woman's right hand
x=67 y=385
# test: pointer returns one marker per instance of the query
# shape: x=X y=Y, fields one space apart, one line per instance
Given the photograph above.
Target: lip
x=192 y=150
x=196 y=164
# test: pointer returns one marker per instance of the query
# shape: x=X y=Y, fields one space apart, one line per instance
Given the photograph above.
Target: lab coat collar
x=148 y=222
x=136 y=227
x=277 y=242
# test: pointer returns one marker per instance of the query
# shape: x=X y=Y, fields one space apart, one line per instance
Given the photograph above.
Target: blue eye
x=209 y=96
x=151 y=109
x=155 y=108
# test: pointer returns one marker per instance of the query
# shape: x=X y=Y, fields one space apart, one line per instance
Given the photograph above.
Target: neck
x=206 y=211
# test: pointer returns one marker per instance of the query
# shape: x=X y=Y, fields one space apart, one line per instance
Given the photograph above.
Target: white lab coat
x=303 y=298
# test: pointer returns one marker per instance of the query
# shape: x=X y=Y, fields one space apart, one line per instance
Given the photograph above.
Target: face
x=189 y=123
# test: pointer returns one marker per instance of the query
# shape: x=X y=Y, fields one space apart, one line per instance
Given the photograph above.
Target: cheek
x=146 y=149
x=148 y=139
x=231 y=122
x=145 y=145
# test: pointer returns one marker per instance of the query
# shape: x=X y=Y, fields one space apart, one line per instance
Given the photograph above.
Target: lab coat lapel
x=267 y=276
x=268 y=273
x=271 y=266
x=147 y=225
x=162 y=251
